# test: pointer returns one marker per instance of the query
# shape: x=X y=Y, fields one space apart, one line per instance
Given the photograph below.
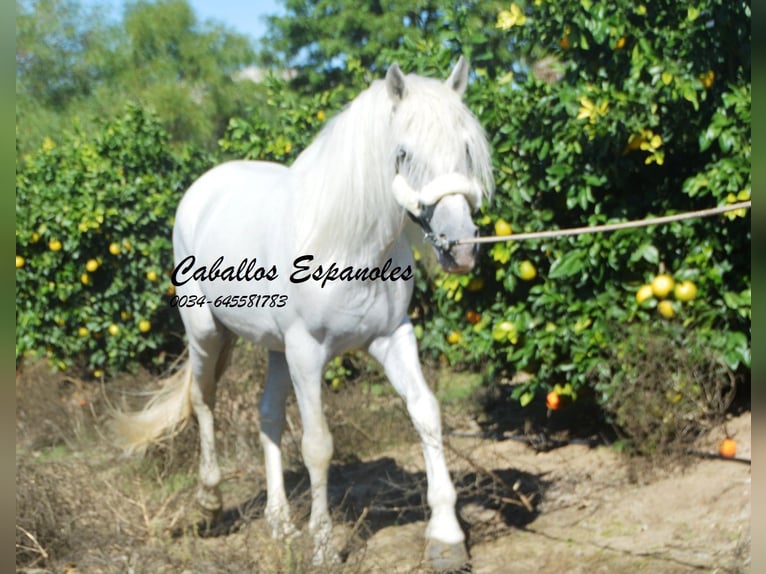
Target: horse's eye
x=401 y=158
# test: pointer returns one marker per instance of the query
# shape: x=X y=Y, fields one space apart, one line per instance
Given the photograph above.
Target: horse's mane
x=344 y=208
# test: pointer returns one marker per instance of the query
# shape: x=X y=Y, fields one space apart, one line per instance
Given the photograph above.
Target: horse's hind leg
x=306 y=358
x=272 y=420
x=398 y=355
x=209 y=348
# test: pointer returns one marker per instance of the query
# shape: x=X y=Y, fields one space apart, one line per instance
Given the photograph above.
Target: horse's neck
x=343 y=203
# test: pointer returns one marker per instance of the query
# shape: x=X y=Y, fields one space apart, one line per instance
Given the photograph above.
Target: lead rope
x=606 y=227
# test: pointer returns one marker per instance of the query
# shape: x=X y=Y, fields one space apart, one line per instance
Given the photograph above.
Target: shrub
x=661 y=388
x=93 y=252
x=612 y=112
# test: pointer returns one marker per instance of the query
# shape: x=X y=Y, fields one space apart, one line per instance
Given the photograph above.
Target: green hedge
x=93 y=253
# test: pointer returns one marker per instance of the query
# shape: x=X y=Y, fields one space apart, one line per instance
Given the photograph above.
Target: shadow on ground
x=377 y=494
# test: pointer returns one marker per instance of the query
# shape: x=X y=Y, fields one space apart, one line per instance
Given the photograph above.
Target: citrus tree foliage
x=597 y=112
x=93 y=227
x=74 y=64
x=324 y=41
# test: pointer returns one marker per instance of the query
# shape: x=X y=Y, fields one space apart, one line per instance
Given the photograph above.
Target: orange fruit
x=527 y=270
x=685 y=291
x=553 y=401
x=144 y=326
x=454 y=337
x=644 y=293
x=114 y=248
x=666 y=309
x=662 y=285
x=19 y=262
x=728 y=447
x=472 y=316
x=54 y=245
x=91 y=265
x=113 y=329
x=502 y=227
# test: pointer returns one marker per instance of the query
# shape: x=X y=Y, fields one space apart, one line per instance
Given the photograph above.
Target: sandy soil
x=575 y=508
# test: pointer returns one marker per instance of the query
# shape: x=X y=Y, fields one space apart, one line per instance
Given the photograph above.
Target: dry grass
x=80 y=502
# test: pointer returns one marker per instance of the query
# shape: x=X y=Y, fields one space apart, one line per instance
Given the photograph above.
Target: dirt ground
x=572 y=507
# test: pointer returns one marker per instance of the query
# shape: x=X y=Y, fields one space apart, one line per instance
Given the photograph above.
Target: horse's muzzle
x=458 y=258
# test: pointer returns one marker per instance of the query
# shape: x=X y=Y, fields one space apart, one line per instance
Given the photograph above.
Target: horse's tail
x=163 y=416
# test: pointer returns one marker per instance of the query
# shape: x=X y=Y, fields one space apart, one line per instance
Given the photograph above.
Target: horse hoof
x=326 y=557
x=210 y=504
x=446 y=557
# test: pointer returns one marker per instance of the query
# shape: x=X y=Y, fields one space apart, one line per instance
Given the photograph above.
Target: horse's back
x=239 y=187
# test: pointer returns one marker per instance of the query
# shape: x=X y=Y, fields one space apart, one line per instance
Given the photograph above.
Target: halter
x=420 y=205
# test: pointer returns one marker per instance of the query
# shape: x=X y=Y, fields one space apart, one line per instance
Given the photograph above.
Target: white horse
x=311 y=261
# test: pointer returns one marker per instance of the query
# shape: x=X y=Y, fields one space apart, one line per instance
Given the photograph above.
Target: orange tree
x=93 y=225
x=597 y=113
x=611 y=112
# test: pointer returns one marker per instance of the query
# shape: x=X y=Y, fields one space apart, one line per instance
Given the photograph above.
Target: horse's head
x=441 y=160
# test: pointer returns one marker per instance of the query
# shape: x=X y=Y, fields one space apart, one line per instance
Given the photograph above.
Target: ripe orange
x=685 y=291
x=527 y=270
x=662 y=285
x=645 y=292
x=728 y=447
x=502 y=227
x=666 y=309
x=472 y=316
x=553 y=401
x=454 y=337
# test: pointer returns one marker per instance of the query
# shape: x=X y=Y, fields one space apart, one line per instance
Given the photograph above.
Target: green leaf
x=647 y=252
x=569 y=264
x=526 y=398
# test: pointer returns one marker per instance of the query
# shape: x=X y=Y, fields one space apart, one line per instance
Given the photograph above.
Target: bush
x=662 y=388
x=613 y=112
x=93 y=245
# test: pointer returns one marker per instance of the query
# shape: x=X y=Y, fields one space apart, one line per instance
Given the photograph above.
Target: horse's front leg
x=399 y=357
x=272 y=422
x=306 y=359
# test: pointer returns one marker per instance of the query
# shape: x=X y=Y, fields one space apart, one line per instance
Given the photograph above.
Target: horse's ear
x=395 y=83
x=458 y=79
